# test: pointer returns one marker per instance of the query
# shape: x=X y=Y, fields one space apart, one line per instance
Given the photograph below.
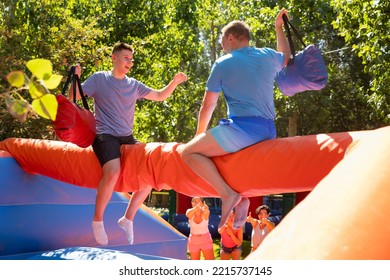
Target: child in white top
x=260 y=227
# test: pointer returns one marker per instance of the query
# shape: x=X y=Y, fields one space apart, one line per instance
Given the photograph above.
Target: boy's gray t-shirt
x=114 y=101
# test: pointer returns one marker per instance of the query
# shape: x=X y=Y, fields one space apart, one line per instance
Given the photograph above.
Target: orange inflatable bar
x=281 y=165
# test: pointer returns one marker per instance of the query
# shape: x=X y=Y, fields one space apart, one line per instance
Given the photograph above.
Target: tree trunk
x=293 y=124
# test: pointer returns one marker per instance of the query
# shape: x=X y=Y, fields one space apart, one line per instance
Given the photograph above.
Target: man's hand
x=279 y=19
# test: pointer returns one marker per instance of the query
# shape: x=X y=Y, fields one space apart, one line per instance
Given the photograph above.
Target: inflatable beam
x=346 y=216
x=281 y=165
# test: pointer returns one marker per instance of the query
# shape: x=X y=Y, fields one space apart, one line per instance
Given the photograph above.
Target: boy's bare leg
x=111 y=171
x=135 y=202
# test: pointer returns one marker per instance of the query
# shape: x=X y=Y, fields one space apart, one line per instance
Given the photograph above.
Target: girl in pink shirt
x=231 y=240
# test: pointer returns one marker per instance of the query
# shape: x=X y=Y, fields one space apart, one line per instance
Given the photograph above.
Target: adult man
x=245 y=75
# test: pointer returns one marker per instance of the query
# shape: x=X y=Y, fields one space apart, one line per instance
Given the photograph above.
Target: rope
x=345 y=48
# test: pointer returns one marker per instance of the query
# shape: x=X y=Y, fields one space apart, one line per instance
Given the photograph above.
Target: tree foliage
x=365 y=26
x=171 y=36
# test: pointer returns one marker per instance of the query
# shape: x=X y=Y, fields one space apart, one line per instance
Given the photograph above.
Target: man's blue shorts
x=237 y=133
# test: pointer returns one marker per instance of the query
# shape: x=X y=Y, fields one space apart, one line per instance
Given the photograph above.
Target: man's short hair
x=238 y=29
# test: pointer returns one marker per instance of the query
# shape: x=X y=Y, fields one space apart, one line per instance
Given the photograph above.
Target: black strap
x=287 y=26
x=68 y=80
x=75 y=80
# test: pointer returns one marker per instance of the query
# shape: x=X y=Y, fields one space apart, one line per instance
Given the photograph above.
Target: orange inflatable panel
x=281 y=165
x=346 y=216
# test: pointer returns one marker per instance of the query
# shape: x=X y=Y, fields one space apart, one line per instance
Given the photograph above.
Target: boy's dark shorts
x=107 y=146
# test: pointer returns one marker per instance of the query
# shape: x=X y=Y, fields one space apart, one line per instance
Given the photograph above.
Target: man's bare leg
x=104 y=192
x=241 y=213
x=197 y=155
x=135 y=202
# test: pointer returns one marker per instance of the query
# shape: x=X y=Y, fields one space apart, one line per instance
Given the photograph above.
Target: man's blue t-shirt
x=246 y=78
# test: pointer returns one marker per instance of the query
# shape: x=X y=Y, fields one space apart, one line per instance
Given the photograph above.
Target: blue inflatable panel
x=42 y=218
x=84 y=253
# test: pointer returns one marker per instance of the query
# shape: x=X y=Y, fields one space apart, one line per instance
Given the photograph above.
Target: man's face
x=225 y=43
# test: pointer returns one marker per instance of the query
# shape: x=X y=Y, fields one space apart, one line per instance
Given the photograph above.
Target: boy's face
x=263 y=214
x=195 y=201
x=122 y=60
x=231 y=218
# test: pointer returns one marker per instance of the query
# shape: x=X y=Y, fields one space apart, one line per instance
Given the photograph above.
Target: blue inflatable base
x=42 y=218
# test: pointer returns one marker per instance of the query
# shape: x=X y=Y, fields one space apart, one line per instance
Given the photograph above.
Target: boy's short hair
x=122 y=46
x=261 y=207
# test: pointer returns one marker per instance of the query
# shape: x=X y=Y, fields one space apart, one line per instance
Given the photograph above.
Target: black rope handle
x=287 y=26
x=68 y=80
x=76 y=80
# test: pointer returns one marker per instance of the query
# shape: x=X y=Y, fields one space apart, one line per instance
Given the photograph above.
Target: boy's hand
x=179 y=78
x=77 y=70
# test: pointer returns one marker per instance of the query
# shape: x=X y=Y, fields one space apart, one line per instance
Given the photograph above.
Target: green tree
x=365 y=26
x=171 y=36
x=347 y=102
x=43 y=29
